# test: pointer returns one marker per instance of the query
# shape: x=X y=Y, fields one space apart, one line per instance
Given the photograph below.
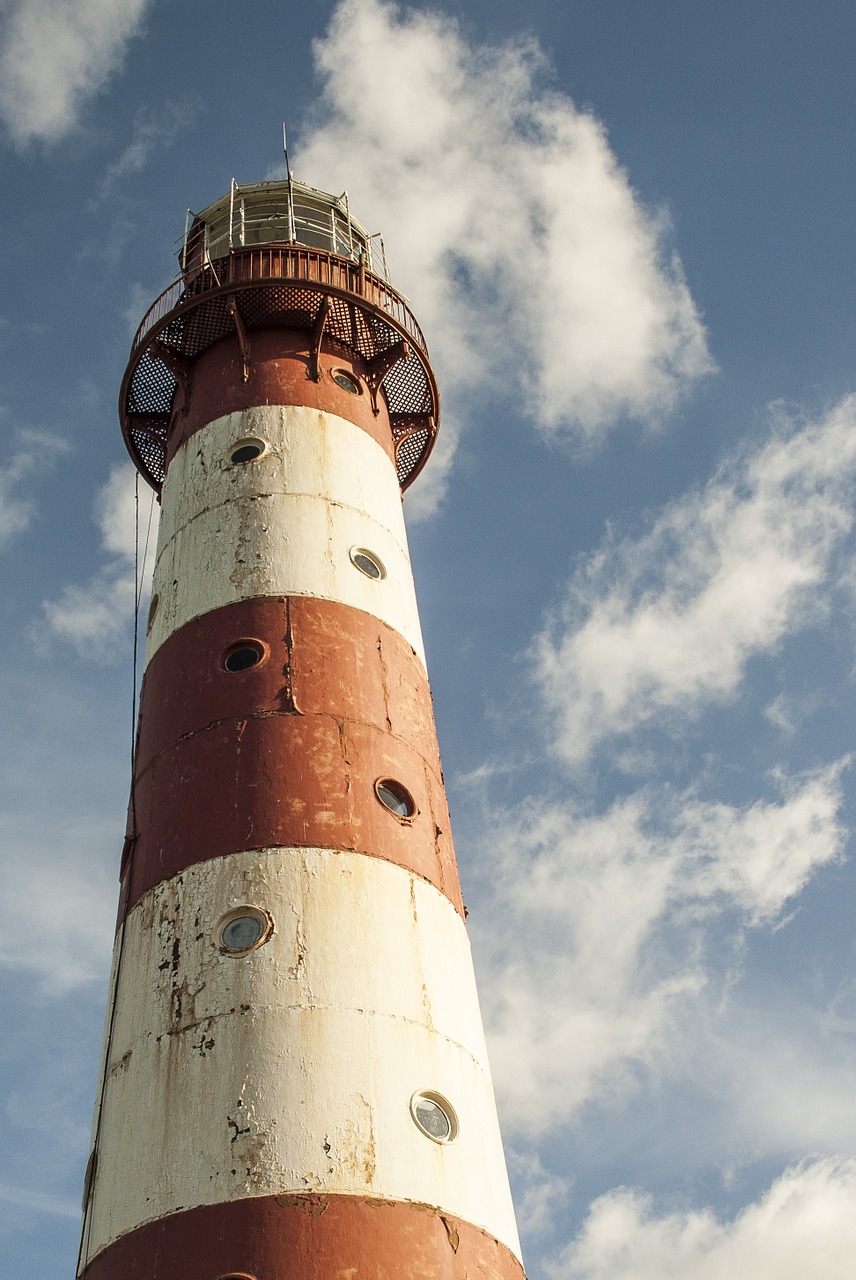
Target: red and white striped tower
x=295 y=1082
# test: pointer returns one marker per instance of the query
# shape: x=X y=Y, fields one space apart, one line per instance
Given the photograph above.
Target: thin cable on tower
x=139 y=578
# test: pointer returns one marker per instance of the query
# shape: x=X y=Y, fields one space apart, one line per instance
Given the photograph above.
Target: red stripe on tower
x=295 y=1080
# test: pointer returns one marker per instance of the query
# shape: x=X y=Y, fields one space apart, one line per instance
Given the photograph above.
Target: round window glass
x=153 y=608
x=242 y=930
x=346 y=381
x=89 y=1177
x=243 y=656
x=395 y=797
x=367 y=563
x=434 y=1116
x=246 y=450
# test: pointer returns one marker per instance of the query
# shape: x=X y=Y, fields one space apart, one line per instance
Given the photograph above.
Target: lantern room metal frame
x=332 y=296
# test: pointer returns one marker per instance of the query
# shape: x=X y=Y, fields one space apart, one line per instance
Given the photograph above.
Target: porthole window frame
x=373 y=557
x=237 y=913
x=246 y=642
x=357 y=387
x=152 y=614
x=393 y=785
x=244 y=443
x=89 y=1179
x=439 y=1100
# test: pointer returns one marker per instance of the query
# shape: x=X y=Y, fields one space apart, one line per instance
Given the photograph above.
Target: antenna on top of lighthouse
x=292 y=230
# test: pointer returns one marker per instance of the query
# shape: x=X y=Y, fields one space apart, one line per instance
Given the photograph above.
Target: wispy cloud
x=39 y=1201
x=600 y=929
x=152 y=130
x=54 y=55
x=660 y=626
x=75 y=891
x=33 y=451
x=805 y=1225
x=542 y=1195
x=95 y=616
x=511 y=225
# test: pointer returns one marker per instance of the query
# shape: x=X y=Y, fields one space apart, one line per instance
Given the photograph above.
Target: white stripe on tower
x=283 y=525
x=292 y=1068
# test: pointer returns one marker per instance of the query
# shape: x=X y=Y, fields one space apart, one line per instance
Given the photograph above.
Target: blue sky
x=627 y=231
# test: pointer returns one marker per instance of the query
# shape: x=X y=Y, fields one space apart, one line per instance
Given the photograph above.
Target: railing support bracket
x=243 y=337
x=317 y=337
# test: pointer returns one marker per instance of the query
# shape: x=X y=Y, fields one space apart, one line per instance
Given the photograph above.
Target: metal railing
x=269 y=263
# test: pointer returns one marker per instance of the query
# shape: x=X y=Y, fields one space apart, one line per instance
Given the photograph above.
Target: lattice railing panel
x=366 y=317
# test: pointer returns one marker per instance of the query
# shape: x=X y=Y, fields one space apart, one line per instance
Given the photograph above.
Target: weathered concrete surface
x=280 y=375
x=322 y=658
x=283 y=524
x=311 y=1237
x=289 y=751
x=257 y=1108
x=288 y=780
x=292 y=1068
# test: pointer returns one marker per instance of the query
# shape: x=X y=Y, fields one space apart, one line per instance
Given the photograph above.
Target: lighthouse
x=294 y=1084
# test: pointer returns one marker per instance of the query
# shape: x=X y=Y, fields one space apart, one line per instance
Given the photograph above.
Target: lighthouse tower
x=294 y=1083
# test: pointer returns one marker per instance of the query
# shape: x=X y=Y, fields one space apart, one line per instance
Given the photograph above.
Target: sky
x=627 y=232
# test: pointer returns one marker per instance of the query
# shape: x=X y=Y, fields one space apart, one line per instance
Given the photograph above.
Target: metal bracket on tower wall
x=178 y=364
x=243 y=338
x=179 y=367
x=317 y=336
x=380 y=365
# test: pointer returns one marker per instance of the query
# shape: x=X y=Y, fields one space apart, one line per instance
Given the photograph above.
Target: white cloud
x=116 y=509
x=659 y=626
x=54 y=55
x=541 y=1196
x=805 y=1226
x=531 y=263
x=34 y=451
x=601 y=929
x=152 y=129
x=139 y=299
x=782 y=1062
x=96 y=617
x=39 y=1202
x=76 y=896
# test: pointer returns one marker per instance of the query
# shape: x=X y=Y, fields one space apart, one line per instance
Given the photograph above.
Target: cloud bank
x=33 y=451
x=804 y=1226
x=152 y=129
x=532 y=265
x=604 y=929
x=54 y=55
x=97 y=616
x=76 y=894
x=664 y=624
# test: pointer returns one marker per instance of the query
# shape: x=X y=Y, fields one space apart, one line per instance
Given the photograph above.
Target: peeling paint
x=451 y=1232
x=309 y=1236
x=272 y=1088
x=266 y=531
x=322 y=1040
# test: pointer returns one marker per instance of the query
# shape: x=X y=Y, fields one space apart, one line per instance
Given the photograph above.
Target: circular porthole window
x=89 y=1177
x=395 y=797
x=367 y=563
x=242 y=930
x=153 y=608
x=243 y=655
x=435 y=1116
x=347 y=382
x=247 y=450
